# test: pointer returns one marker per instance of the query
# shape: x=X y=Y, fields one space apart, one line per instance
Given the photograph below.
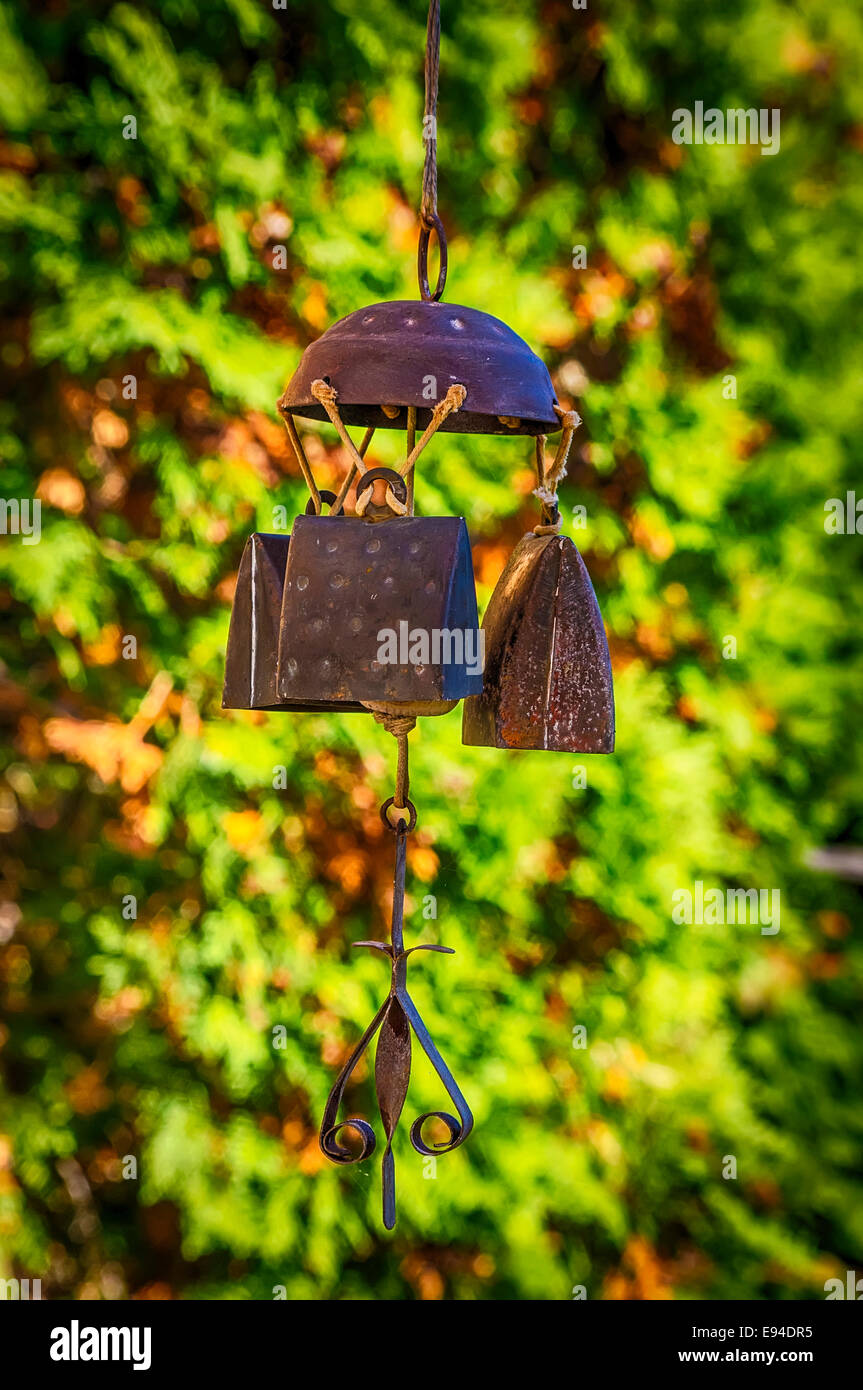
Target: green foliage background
x=152 y=1038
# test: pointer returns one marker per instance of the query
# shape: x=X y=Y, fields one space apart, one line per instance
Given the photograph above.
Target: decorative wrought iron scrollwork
x=396 y=1019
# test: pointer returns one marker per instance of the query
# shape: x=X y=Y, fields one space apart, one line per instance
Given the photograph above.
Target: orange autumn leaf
x=106 y=649
x=245 y=830
x=109 y=429
x=62 y=490
x=616 y=1085
x=314 y=308
x=642 y=1275
x=489 y=561
x=116 y=752
x=424 y=863
x=656 y=540
x=311 y=1160
x=350 y=868
x=425 y=1278
x=87 y=1092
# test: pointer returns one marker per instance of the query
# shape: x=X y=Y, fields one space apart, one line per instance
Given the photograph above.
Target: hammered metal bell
x=250 y=673
x=379 y=612
x=251 y=659
x=547 y=669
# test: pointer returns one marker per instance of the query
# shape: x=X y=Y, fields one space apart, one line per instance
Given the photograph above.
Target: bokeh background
x=152 y=1038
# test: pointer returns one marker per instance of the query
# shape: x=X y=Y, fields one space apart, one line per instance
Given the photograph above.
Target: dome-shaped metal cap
x=409 y=352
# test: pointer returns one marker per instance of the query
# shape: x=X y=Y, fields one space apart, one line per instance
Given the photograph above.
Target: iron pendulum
x=395 y=1019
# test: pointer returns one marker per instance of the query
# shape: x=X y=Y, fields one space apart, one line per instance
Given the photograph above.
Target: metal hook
x=422 y=259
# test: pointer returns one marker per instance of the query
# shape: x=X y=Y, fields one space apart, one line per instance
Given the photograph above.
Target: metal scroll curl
x=396 y=1019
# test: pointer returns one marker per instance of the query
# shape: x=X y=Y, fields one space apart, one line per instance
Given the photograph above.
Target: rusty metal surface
x=395 y=1019
x=347 y=580
x=253 y=637
x=547 y=669
x=387 y=354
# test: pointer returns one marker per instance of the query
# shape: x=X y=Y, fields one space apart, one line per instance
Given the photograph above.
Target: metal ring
x=325 y=496
x=392 y=478
x=423 y=258
x=412 y=810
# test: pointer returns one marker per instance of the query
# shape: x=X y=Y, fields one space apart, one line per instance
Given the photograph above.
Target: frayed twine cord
x=327 y=396
x=399 y=725
x=546 y=490
x=452 y=401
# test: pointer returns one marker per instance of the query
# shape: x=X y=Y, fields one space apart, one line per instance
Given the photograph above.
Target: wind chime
x=308 y=608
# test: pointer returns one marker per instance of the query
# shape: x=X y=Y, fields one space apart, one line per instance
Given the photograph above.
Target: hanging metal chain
x=430 y=222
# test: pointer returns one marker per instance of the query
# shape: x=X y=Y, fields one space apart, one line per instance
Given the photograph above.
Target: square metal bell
x=251 y=660
x=352 y=585
x=547 y=671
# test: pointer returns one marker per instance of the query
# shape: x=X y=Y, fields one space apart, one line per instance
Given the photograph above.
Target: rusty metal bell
x=381 y=612
x=251 y=660
x=547 y=669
